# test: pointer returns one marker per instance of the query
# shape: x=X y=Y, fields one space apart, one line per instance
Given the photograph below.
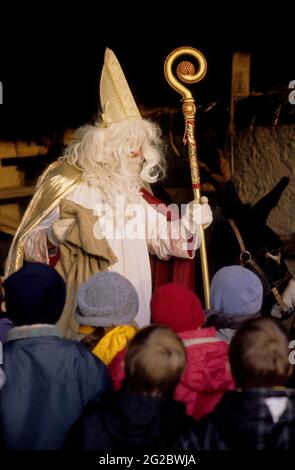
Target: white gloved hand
x=57 y=232
x=197 y=214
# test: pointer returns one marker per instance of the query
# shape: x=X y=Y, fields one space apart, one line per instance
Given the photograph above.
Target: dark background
x=51 y=59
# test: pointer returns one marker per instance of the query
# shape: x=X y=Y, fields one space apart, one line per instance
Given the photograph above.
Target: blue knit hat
x=106 y=299
x=34 y=294
x=236 y=291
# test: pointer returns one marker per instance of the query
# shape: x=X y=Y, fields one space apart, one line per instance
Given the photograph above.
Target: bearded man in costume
x=80 y=216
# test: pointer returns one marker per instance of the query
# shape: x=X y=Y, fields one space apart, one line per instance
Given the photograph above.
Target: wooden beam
x=22 y=149
x=240 y=83
x=240 y=88
x=16 y=192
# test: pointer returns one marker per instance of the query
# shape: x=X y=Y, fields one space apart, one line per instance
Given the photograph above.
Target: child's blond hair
x=154 y=361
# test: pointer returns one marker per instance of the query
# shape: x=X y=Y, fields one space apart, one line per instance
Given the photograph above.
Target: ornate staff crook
x=186 y=73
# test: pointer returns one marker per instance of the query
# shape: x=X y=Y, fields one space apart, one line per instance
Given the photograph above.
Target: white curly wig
x=105 y=156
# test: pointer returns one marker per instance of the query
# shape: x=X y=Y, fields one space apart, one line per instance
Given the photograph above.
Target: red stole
x=178 y=270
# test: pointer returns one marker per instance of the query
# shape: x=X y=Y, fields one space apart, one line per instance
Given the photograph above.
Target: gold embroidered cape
x=55 y=183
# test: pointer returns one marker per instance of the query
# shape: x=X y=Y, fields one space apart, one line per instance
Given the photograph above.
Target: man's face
x=136 y=160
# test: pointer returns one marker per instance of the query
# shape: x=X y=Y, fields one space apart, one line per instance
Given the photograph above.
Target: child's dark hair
x=91 y=340
x=258 y=354
x=154 y=361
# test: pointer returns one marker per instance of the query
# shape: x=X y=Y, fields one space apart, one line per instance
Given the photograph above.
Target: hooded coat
x=205 y=377
x=49 y=381
x=133 y=423
x=256 y=419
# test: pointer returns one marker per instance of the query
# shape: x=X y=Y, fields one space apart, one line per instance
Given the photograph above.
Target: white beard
x=112 y=186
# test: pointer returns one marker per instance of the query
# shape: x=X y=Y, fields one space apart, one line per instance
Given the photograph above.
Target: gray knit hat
x=106 y=299
x=236 y=291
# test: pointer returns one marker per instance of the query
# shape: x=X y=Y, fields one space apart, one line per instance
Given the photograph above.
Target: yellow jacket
x=114 y=341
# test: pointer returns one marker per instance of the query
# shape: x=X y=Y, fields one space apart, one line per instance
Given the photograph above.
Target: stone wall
x=263 y=155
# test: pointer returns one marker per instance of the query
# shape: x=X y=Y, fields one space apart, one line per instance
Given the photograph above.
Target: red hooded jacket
x=205 y=378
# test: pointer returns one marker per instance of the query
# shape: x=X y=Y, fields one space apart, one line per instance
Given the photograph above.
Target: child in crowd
x=5 y=323
x=2 y=378
x=206 y=376
x=236 y=294
x=142 y=416
x=49 y=380
x=260 y=414
x=107 y=304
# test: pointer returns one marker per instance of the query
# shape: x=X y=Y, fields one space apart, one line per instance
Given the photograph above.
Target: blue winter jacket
x=49 y=381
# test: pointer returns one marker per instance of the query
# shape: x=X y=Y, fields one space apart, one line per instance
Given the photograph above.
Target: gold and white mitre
x=116 y=99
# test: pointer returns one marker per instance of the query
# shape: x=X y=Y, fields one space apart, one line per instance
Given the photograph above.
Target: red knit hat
x=178 y=307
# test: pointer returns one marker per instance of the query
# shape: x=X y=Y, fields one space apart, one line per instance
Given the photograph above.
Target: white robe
x=133 y=254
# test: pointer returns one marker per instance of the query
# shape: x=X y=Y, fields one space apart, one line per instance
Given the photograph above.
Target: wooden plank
x=17 y=192
x=240 y=83
x=7 y=228
x=22 y=149
x=240 y=88
x=19 y=149
x=8 y=224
